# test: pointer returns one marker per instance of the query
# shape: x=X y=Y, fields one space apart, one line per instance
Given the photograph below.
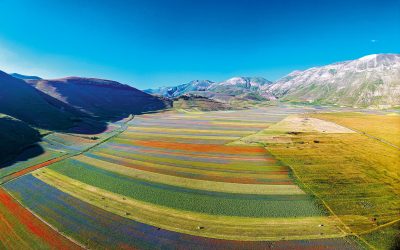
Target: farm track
x=376 y=138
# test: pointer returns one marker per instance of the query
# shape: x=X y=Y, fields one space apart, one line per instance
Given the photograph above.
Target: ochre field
x=276 y=177
x=355 y=173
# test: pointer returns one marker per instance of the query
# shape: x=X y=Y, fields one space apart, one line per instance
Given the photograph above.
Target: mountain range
x=29 y=104
x=370 y=81
x=225 y=91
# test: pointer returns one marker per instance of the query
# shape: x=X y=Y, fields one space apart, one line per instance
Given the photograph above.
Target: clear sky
x=151 y=43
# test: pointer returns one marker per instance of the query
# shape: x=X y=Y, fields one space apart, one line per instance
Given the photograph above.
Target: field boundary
x=379 y=227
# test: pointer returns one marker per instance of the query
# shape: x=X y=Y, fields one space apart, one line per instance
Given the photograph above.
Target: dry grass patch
x=386 y=127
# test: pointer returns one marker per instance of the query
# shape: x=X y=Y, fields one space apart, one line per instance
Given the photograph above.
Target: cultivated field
x=356 y=173
x=262 y=178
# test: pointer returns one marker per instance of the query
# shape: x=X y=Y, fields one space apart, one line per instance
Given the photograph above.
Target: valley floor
x=275 y=177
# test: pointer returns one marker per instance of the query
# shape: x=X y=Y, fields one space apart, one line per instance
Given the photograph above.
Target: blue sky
x=151 y=43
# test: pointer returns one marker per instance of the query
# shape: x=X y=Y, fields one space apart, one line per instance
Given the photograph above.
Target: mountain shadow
x=17 y=137
x=25 y=103
x=103 y=100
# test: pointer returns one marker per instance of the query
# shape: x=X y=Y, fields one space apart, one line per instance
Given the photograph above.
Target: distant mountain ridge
x=220 y=91
x=175 y=91
x=239 y=85
x=370 y=81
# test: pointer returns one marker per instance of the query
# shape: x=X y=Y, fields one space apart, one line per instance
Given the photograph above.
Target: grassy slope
x=22 y=101
x=355 y=175
x=100 y=98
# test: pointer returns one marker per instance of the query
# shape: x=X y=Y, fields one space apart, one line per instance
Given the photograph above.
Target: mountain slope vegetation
x=99 y=98
x=19 y=100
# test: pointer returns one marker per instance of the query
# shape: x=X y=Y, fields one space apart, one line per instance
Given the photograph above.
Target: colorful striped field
x=170 y=180
x=98 y=228
x=20 y=229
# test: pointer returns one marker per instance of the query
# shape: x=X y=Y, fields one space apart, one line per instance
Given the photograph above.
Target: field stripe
x=197 y=131
x=32 y=168
x=33 y=227
x=217 y=203
x=252 y=167
x=8 y=236
x=191 y=183
x=130 y=148
x=241 y=124
x=209 y=148
x=197 y=173
x=204 y=137
x=222 y=227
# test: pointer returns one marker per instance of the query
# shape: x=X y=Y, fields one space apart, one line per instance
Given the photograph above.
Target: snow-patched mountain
x=175 y=91
x=372 y=80
x=239 y=85
x=233 y=87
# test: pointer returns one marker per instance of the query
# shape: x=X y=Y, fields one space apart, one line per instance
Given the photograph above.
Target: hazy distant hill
x=20 y=100
x=195 y=102
x=175 y=91
x=373 y=80
x=99 y=98
x=239 y=85
x=222 y=91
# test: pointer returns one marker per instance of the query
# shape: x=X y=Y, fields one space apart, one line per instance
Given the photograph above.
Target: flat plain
x=273 y=177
